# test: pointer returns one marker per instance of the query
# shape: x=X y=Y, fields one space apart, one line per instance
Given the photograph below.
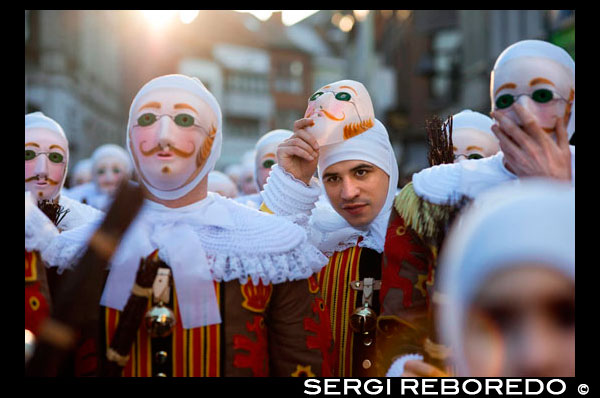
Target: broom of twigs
x=439 y=137
x=53 y=211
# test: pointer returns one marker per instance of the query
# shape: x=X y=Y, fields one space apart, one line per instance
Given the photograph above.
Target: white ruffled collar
x=40 y=230
x=214 y=239
x=330 y=232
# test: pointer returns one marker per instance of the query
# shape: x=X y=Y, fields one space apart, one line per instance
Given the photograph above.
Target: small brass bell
x=29 y=345
x=363 y=320
x=160 y=320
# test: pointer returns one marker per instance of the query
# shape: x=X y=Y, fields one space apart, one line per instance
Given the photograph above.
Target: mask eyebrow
x=185 y=106
x=540 y=80
x=269 y=155
x=506 y=85
x=57 y=146
x=474 y=147
x=150 y=105
x=350 y=89
x=32 y=144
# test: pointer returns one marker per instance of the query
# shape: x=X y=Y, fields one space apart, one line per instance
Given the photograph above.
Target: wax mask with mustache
x=265 y=156
x=110 y=165
x=472 y=136
x=46 y=156
x=541 y=77
x=340 y=110
x=174 y=135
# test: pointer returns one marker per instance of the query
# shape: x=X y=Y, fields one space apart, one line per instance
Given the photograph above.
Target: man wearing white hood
x=48 y=213
x=110 y=166
x=264 y=158
x=507 y=272
x=357 y=168
x=82 y=173
x=236 y=292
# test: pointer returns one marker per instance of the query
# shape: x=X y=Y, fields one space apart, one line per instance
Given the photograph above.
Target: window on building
x=247 y=82
x=288 y=77
x=446 y=50
x=285 y=118
x=241 y=127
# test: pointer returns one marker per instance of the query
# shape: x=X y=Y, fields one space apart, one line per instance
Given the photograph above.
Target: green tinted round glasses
x=54 y=157
x=541 y=96
x=341 y=96
x=181 y=119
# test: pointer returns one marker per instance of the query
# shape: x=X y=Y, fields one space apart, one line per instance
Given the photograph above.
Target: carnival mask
x=109 y=172
x=172 y=132
x=340 y=110
x=46 y=157
x=472 y=136
x=542 y=85
x=266 y=154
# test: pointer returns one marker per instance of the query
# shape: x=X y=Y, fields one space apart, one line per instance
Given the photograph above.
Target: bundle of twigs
x=439 y=137
x=53 y=211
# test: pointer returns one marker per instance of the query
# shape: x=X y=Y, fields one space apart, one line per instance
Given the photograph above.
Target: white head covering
x=473 y=120
x=84 y=166
x=218 y=181
x=112 y=150
x=543 y=49
x=195 y=87
x=266 y=144
x=524 y=220
x=39 y=120
x=336 y=233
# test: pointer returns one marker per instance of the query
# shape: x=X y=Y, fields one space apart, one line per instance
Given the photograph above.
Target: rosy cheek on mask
x=29 y=169
x=55 y=172
x=263 y=174
x=147 y=140
x=310 y=109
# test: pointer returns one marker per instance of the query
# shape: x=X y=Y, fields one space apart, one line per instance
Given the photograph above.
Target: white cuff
x=397 y=368
x=285 y=195
x=438 y=184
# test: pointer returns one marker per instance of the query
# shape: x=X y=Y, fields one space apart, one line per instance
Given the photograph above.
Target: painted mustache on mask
x=328 y=115
x=37 y=177
x=159 y=148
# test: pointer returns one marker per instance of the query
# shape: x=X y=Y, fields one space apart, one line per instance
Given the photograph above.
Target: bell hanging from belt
x=159 y=320
x=363 y=320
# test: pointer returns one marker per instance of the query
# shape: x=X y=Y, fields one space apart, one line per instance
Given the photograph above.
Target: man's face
x=522 y=325
x=264 y=168
x=45 y=162
x=108 y=173
x=340 y=111
x=171 y=137
x=357 y=190
x=473 y=144
x=543 y=87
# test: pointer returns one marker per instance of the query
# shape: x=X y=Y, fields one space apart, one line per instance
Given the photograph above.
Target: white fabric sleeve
x=397 y=368
x=438 y=184
x=285 y=195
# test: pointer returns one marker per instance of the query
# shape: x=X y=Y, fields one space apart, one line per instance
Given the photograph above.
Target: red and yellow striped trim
x=335 y=280
x=195 y=352
x=30 y=266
